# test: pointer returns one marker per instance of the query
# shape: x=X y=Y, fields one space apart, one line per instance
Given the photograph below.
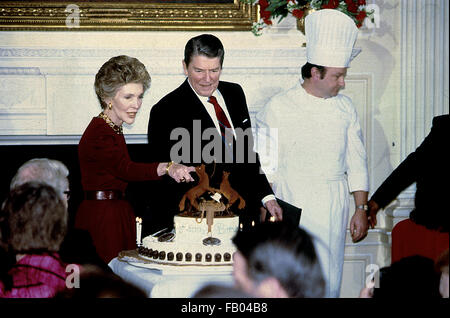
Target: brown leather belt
x=104 y=195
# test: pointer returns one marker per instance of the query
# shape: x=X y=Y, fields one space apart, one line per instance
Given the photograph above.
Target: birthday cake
x=203 y=231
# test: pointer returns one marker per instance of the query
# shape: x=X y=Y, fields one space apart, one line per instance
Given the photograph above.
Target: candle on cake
x=138 y=231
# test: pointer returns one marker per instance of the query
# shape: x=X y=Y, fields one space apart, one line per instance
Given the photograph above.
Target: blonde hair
x=116 y=72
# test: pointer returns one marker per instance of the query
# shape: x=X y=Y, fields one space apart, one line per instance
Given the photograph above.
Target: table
x=167 y=281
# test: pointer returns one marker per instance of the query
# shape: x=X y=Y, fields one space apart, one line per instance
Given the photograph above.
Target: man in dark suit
x=426 y=231
x=187 y=126
x=428 y=167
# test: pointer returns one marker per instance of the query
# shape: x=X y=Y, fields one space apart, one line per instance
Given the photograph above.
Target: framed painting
x=150 y=15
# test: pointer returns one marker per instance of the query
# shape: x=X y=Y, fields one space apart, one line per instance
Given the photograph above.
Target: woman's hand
x=177 y=171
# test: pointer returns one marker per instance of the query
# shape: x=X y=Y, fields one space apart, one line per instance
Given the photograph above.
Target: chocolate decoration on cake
x=188 y=257
x=170 y=256
x=198 y=257
x=179 y=256
x=208 y=257
x=213 y=241
x=217 y=257
x=162 y=255
x=227 y=257
x=166 y=237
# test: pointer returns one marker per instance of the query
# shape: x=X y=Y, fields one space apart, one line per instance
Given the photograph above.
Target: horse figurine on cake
x=194 y=193
x=229 y=193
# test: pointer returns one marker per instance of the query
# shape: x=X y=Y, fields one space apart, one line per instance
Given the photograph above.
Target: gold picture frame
x=156 y=15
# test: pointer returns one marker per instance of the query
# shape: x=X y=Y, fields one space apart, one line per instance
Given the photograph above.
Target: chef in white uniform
x=319 y=144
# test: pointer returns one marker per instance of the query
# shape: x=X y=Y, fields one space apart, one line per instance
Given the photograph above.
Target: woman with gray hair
x=106 y=167
x=33 y=223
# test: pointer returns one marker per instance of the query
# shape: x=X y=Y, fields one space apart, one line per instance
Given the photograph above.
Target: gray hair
x=43 y=170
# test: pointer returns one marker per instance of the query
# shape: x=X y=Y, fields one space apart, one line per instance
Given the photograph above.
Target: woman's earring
x=109 y=106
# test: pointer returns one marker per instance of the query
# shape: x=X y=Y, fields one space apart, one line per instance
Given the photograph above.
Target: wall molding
x=424 y=68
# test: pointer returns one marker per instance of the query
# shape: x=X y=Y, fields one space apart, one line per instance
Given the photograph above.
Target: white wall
x=398 y=83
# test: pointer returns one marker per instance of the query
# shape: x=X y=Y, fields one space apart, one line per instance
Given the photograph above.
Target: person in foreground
x=277 y=260
x=206 y=120
x=33 y=223
x=410 y=277
x=321 y=153
x=106 y=167
x=77 y=246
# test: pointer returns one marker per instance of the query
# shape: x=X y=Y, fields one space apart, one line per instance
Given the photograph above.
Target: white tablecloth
x=169 y=281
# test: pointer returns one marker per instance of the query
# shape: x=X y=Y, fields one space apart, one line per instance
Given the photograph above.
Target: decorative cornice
x=19 y=71
x=18 y=52
x=59 y=140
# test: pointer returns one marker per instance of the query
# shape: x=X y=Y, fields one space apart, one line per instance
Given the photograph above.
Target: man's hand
x=359 y=225
x=274 y=209
x=373 y=210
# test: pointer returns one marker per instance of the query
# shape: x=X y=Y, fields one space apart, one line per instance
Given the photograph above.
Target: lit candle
x=253 y=223
x=138 y=231
x=272 y=219
x=240 y=226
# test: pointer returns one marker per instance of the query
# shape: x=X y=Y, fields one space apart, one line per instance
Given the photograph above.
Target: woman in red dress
x=106 y=167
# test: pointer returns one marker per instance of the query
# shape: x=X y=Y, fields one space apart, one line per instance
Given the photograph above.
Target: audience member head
x=117 y=72
x=413 y=277
x=33 y=219
x=442 y=268
x=220 y=291
x=277 y=259
x=43 y=170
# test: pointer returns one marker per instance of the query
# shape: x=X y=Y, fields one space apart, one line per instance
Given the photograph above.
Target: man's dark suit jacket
x=428 y=167
x=179 y=109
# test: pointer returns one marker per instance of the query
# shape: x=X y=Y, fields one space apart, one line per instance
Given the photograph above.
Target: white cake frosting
x=187 y=247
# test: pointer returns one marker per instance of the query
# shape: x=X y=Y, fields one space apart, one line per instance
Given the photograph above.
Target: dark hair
x=204 y=44
x=118 y=71
x=285 y=252
x=306 y=70
x=34 y=218
x=412 y=276
x=220 y=291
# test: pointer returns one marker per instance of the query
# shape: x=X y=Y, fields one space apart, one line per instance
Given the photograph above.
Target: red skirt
x=409 y=239
x=111 y=223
